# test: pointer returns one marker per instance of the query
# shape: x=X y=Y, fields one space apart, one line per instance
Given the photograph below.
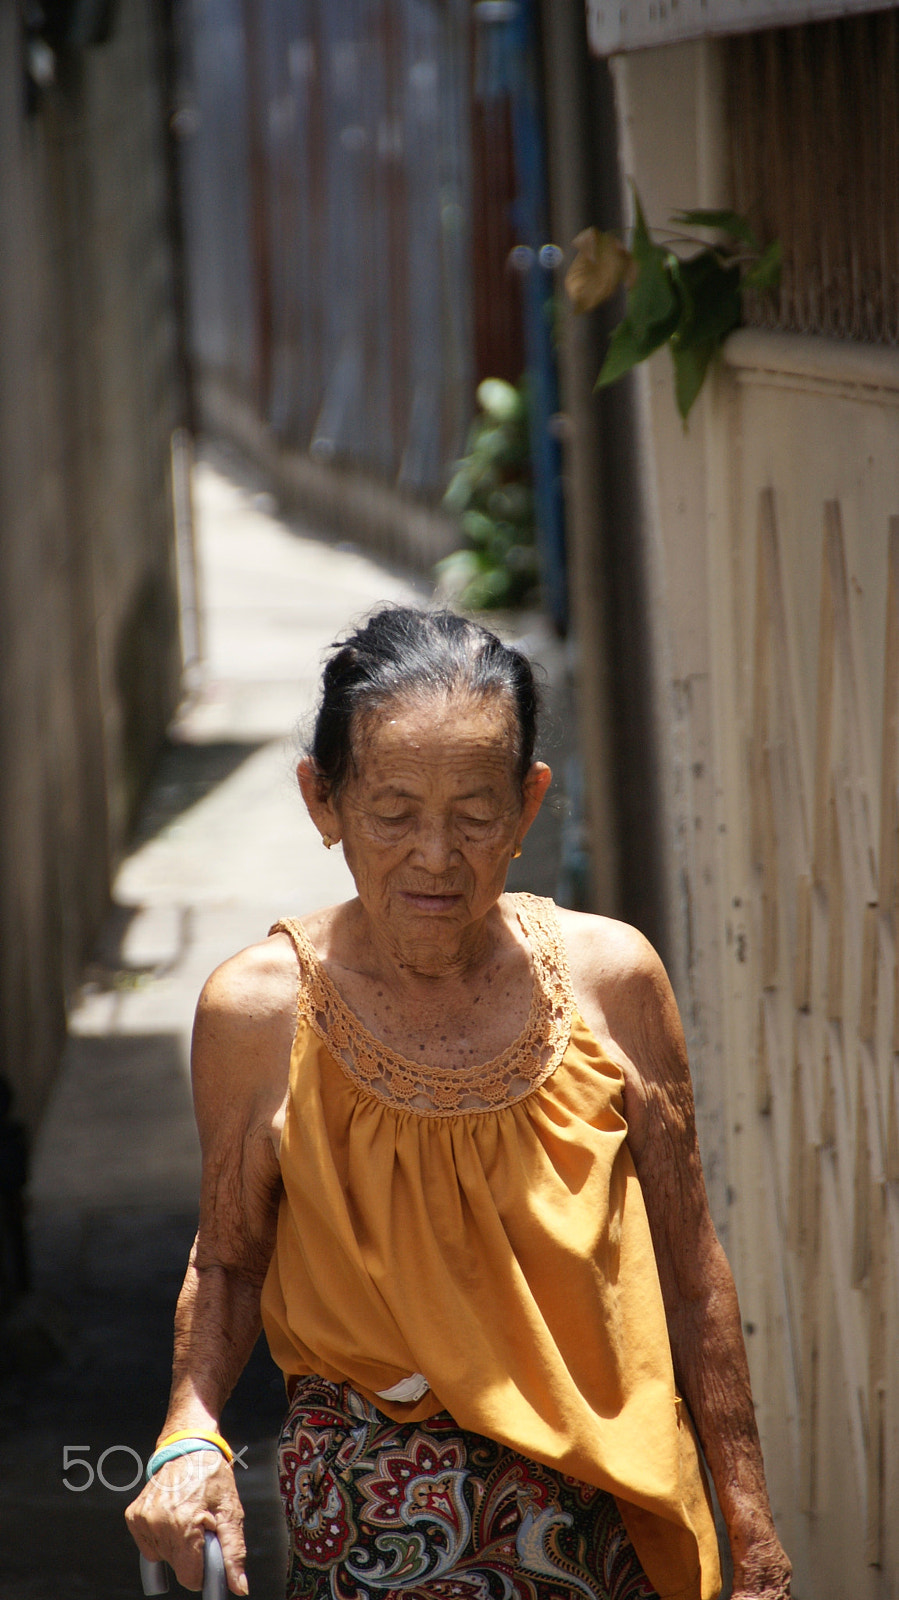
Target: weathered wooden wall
x=770 y=543
x=806 y=583
x=90 y=393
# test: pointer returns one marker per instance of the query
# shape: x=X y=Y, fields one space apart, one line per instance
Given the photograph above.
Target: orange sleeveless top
x=477 y=1242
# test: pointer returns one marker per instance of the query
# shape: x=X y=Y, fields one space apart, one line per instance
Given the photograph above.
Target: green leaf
x=512 y=502
x=458 y=569
x=477 y=528
x=500 y=400
x=487 y=590
x=653 y=308
x=729 y=222
x=626 y=349
x=711 y=301
x=502 y=537
x=695 y=303
x=459 y=489
x=490 y=443
x=681 y=281
x=691 y=363
x=652 y=304
x=765 y=273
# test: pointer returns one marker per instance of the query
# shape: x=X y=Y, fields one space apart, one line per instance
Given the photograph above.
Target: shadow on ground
x=185 y=774
x=105 y=1290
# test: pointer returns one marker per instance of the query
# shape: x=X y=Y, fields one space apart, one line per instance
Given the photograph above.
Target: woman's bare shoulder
x=254 y=986
x=253 y=998
x=240 y=1070
x=244 y=1030
x=605 y=954
x=623 y=992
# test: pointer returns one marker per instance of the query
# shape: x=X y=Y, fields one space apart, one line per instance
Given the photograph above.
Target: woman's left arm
x=697 y=1285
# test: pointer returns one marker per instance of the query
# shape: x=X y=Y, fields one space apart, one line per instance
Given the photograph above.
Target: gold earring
x=327 y=841
x=516 y=852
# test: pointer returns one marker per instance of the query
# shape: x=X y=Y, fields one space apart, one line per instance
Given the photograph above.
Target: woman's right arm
x=240 y=1064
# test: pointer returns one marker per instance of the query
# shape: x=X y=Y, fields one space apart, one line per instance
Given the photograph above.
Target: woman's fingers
x=234 y=1553
x=229 y=1528
x=187 y=1497
x=185 y=1557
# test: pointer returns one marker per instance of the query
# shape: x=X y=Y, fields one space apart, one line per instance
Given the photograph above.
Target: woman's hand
x=762 y=1570
x=777 y=1589
x=186 y=1497
x=766 y=1588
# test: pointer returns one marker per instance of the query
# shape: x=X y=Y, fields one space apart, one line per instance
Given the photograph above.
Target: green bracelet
x=179 y=1447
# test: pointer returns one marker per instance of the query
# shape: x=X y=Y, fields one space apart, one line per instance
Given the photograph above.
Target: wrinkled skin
x=434 y=963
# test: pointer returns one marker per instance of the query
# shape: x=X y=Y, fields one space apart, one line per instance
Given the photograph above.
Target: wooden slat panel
x=814 y=134
x=822 y=942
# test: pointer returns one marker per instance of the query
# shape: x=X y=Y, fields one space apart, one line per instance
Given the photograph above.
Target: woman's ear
x=537 y=781
x=318 y=800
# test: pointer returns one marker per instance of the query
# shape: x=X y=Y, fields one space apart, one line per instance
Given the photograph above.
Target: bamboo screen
x=814 y=143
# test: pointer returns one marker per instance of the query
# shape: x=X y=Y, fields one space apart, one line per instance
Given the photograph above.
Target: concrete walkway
x=223 y=848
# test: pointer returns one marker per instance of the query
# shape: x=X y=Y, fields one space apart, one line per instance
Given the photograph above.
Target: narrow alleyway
x=222 y=849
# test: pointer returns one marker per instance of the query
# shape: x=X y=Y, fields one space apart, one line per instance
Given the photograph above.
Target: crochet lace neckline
x=432 y=1091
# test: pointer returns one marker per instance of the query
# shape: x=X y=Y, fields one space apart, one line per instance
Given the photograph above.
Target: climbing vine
x=681 y=290
x=490 y=493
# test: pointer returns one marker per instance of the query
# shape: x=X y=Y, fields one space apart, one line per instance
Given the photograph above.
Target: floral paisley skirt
x=378 y=1509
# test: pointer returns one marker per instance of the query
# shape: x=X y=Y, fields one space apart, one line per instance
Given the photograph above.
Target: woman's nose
x=435 y=843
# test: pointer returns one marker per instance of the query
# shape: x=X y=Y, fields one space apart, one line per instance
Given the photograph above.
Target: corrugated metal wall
x=327 y=164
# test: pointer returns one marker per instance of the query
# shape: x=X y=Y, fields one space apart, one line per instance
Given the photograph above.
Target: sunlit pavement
x=223 y=849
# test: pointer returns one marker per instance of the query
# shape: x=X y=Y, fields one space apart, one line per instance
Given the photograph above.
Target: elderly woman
x=449 y=1161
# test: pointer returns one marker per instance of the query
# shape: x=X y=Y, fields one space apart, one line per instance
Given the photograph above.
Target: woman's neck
x=418 y=960
x=452 y=1003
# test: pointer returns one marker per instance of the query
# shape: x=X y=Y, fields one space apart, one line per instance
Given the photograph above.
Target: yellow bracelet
x=197 y=1433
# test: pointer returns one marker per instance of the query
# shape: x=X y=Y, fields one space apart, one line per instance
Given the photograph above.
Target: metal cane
x=155 y=1579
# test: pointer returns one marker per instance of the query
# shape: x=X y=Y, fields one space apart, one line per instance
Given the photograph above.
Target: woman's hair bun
x=400 y=653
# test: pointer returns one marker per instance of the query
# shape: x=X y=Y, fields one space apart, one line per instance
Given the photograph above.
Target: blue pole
x=512 y=67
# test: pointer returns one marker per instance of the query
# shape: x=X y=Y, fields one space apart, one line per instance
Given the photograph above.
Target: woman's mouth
x=429 y=903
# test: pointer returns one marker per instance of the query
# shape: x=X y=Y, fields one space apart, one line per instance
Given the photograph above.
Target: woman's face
x=432 y=813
